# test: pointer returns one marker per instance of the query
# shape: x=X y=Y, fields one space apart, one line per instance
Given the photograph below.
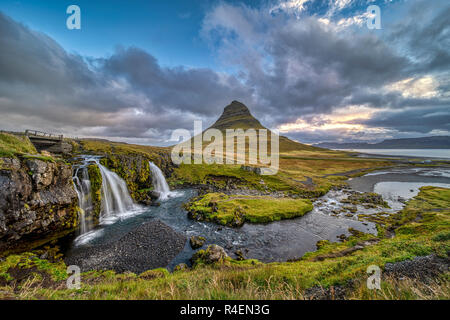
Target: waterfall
x=160 y=183
x=83 y=189
x=116 y=200
x=115 y=196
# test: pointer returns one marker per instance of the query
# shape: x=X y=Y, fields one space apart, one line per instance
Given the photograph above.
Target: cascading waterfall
x=83 y=189
x=116 y=199
x=160 y=183
x=115 y=196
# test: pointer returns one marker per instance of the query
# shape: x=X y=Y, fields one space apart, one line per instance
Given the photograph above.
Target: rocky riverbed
x=151 y=245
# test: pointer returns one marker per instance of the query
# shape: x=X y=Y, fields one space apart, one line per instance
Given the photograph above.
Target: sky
x=137 y=70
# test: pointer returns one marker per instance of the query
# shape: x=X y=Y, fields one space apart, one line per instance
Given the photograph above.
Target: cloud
x=320 y=76
x=127 y=95
x=303 y=69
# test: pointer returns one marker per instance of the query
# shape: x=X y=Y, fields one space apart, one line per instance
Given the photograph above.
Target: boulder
x=239 y=255
x=213 y=254
x=255 y=170
x=154 y=195
x=197 y=242
x=181 y=267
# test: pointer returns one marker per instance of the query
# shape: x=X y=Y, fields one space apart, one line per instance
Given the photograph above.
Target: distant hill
x=237 y=116
x=436 y=142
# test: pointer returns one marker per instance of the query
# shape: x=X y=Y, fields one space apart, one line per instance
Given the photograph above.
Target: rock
x=240 y=255
x=37 y=201
x=154 y=195
x=401 y=199
x=155 y=204
x=152 y=245
x=181 y=267
x=41 y=172
x=368 y=198
x=213 y=254
x=342 y=237
x=255 y=170
x=423 y=268
x=197 y=242
x=322 y=243
x=146 y=202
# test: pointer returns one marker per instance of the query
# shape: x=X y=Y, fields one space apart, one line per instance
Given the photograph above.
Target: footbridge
x=44 y=141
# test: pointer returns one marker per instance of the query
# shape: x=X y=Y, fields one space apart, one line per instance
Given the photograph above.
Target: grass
x=304 y=177
x=235 y=210
x=218 y=174
x=120 y=148
x=420 y=230
x=12 y=145
x=303 y=171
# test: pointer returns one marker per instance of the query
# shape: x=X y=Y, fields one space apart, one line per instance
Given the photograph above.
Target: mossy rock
x=155 y=273
x=95 y=177
x=235 y=210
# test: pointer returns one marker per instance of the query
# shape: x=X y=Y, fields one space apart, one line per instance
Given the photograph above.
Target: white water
x=115 y=196
x=116 y=200
x=160 y=183
x=83 y=189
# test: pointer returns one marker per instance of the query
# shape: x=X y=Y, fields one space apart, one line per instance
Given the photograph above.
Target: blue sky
x=170 y=30
x=311 y=68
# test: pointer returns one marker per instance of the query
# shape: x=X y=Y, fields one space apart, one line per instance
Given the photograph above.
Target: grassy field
x=421 y=228
x=100 y=147
x=308 y=177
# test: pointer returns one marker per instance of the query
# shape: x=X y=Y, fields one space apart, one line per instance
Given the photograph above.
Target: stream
x=277 y=241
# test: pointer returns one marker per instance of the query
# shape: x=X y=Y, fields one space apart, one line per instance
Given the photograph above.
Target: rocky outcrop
x=37 y=201
x=135 y=170
x=197 y=242
x=213 y=254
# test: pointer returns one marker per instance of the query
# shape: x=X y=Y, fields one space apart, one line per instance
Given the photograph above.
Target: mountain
x=237 y=116
x=436 y=142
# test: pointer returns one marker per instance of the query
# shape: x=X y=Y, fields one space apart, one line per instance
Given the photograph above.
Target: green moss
x=95 y=177
x=39 y=157
x=235 y=210
x=154 y=273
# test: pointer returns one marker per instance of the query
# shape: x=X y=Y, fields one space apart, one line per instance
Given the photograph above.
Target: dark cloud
x=128 y=95
x=417 y=120
x=287 y=68
x=303 y=67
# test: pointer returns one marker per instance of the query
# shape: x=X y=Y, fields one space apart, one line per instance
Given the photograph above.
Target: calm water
x=421 y=153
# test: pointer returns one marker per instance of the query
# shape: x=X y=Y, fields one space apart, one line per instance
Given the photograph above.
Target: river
x=276 y=241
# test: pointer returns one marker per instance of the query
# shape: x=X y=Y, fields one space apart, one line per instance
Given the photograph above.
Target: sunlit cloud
x=424 y=87
x=345 y=118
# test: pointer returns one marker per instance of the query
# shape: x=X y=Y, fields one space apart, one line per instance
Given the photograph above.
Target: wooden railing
x=35 y=133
